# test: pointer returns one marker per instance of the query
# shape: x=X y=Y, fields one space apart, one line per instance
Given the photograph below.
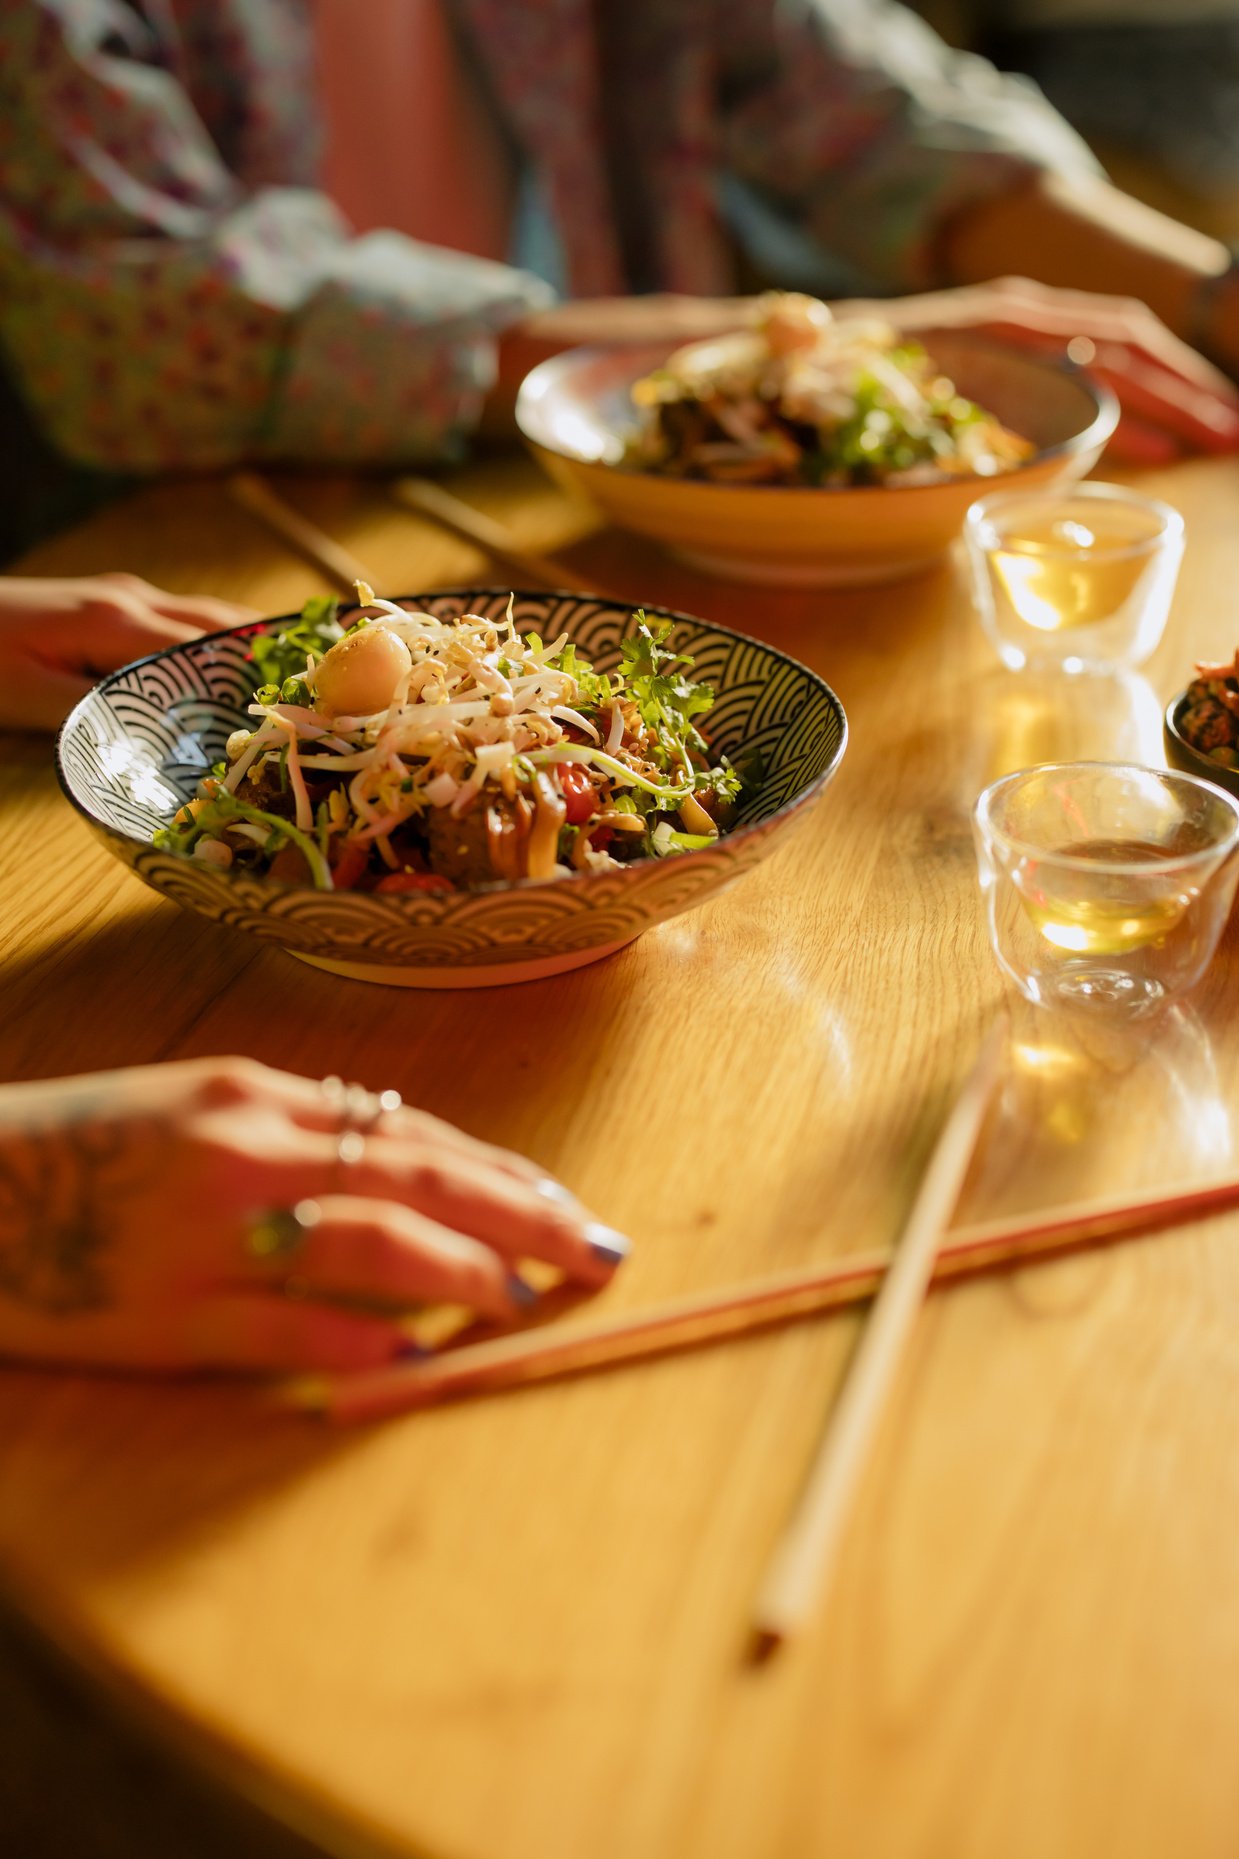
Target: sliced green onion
x=578 y=752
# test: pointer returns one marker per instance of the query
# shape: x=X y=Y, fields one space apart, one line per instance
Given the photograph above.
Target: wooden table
x=513 y=1629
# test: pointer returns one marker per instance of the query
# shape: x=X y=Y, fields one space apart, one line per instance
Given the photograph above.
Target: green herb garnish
x=666 y=700
x=281 y=657
x=221 y=811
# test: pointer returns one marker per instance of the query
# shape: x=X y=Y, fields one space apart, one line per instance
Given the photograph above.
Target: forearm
x=860 y=127
x=1085 y=234
x=278 y=337
x=391 y=360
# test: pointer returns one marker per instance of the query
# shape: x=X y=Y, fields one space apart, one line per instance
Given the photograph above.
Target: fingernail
x=520 y=1292
x=555 y=1192
x=606 y=1244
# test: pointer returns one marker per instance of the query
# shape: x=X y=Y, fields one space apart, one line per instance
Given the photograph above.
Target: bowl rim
x=1092 y=490
x=439 y=903
x=1099 y=429
x=983 y=809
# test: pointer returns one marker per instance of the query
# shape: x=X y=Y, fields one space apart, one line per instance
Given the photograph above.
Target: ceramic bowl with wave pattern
x=135 y=748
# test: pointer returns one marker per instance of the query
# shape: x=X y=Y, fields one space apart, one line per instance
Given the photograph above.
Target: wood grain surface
x=513 y=1629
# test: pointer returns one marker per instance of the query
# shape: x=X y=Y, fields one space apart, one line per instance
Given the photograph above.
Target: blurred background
x=1152 y=86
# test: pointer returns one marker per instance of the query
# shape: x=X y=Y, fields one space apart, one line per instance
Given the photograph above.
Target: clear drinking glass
x=1078 y=578
x=1106 y=885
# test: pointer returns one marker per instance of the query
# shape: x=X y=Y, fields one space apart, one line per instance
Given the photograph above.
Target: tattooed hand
x=57 y=638
x=127 y=1201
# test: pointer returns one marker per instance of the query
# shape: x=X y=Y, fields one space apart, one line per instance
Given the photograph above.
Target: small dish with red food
x=1201 y=727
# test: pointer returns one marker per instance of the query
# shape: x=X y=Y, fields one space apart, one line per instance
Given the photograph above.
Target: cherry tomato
x=350 y=863
x=397 y=881
x=578 y=792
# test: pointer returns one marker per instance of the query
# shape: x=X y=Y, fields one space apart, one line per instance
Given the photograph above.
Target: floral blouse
x=174 y=292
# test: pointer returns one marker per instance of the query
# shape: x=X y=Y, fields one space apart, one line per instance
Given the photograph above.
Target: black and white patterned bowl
x=135 y=748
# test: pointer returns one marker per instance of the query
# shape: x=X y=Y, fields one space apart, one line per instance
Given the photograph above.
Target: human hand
x=1171 y=400
x=58 y=637
x=604 y=322
x=135 y=1205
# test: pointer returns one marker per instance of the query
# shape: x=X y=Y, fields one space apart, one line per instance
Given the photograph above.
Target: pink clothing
x=176 y=293
x=412 y=142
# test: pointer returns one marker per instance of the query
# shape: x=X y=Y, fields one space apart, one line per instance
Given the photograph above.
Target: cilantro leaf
x=666 y=699
x=280 y=658
x=593 y=687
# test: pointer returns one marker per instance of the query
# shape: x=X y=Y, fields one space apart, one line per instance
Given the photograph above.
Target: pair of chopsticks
x=429 y=499
x=253 y=494
x=900 y=1278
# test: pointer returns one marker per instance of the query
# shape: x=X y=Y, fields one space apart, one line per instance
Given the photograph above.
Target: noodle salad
x=803 y=399
x=411 y=753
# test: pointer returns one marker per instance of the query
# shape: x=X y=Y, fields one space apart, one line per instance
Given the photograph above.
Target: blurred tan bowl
x=576 y=409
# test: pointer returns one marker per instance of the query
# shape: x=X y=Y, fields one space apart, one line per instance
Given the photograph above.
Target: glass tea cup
x=1106 y=885
x=1080 y=578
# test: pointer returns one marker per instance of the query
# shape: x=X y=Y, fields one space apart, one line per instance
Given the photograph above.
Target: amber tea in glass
x=1106 y=884
x=1081 y=579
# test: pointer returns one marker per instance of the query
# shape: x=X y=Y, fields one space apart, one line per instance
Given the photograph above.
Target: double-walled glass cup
x=1080 y=579
x=1106 y=885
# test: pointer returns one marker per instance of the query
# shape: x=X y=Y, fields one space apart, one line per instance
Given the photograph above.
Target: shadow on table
x=811 y=623
x=76 y=1783
x=76 y=992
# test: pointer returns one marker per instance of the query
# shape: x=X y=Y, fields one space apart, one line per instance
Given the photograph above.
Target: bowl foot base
x=493 y=975
x=1100 y=990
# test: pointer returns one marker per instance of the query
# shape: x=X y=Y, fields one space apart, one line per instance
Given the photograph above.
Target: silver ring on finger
x=357 y=1108
x=360 y=1113
x=350 y=1148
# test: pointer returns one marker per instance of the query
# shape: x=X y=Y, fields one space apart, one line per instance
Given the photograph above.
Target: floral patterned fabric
x=175 y=293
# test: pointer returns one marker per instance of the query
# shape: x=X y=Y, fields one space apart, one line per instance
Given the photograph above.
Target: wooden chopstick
x=255 y=495
x=451 y=513
x=252 y=492
x=709 y=1317
x=805 y=1556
